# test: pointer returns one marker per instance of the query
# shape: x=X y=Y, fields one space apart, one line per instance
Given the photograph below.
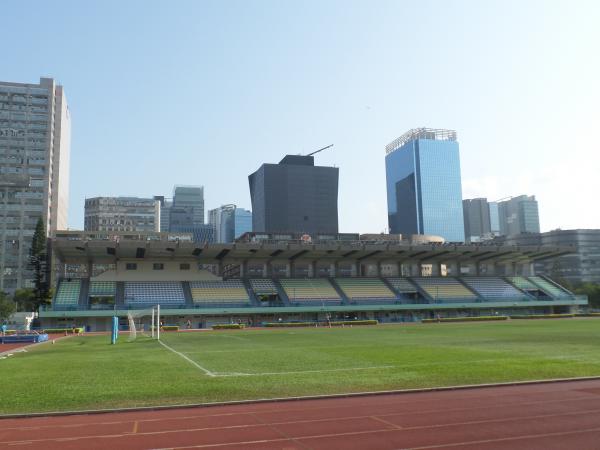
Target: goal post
x=137 y=321
x=142 y=321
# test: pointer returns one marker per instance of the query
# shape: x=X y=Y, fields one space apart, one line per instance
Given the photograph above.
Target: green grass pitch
x=88 y=373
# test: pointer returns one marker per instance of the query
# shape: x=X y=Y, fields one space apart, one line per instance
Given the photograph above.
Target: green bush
x=587 y=315
x=169 y=328
x=229 y=326
x=63 y=330
x=312 y=324
x=289 y=324
x=543 y=316
x=354 y=322
x=465 y=319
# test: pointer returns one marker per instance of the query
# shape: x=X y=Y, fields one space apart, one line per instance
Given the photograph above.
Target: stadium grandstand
x=293 y=278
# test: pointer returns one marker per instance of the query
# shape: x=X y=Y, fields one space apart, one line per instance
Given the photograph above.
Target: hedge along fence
x=312 y=324
x=77 y=330
x=289 y=324
x=594 y=314
x=544 y=316
x=229 y=326
x=354 y=322
x=465 y=319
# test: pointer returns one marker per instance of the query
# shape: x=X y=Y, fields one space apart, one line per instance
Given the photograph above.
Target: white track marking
x=191 y=361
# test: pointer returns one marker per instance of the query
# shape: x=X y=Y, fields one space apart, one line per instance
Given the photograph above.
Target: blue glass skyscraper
x=424 y=192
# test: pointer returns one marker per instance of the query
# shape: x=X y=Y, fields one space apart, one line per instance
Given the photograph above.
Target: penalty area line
x=191 y=361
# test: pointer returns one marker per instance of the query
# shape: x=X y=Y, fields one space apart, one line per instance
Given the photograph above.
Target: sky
x=202 y=93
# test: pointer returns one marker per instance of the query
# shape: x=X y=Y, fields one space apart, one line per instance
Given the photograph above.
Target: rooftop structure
x=435 y=134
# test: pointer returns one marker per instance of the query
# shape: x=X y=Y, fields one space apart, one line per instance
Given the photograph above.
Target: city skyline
x=332 y=76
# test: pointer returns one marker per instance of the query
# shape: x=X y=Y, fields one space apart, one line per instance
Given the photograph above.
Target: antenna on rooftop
x=320 y=150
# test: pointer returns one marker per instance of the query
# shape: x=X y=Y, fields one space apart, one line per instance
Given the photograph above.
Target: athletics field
x=86 y=372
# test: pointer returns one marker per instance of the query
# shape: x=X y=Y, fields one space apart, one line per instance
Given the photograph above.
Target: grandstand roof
x=81 y=247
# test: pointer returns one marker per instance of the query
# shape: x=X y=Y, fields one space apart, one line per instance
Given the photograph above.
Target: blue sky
x=191 y=92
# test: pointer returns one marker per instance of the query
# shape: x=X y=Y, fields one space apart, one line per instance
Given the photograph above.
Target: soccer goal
x=144 y=321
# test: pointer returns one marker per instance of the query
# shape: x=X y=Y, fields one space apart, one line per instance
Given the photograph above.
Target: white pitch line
x=191 y=361
x=225 y=374
x=242 y=374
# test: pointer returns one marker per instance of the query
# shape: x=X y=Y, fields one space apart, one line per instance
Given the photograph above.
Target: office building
x=35 y=140
x=229 y=222
x=581 y=266
x=188 y=200
x=242 y=222
x=476 y=213
x=481 y=219
x=424 y=192
x=295 y=196
x=494 y=218
x=184 y=213
x=122 y=214
x=518 y=215
x=165 y=212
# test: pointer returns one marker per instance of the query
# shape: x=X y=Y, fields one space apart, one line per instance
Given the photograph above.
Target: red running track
x=541 y=416
x=8 y=347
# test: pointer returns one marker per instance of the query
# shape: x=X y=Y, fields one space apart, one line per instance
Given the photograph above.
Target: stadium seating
x=153 y=293
x=402 y=285
x=221 y=293
x=67 y=294
x=366 y=290
x=262 y=286
x=494 y=289
x=550 y=289
x=445 y=289
x=102 y=288
x=310 y=290
x=523 y=283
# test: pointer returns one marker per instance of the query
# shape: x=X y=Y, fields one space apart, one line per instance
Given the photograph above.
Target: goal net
x=139 y=322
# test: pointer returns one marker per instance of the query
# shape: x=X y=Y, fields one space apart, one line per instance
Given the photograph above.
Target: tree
x=38 y=262
x=592 y=290
x=7 y=307
x=25 y=299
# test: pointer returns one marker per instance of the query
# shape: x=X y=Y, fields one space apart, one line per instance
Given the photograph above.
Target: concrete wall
x=145 y=272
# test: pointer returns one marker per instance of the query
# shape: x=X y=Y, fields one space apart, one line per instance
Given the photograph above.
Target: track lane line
x=506 y=439
x=222 y=428
x=421 y=412
x=333 y=435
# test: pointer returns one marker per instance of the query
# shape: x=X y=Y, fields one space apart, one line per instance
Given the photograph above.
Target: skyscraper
x=519 y=215
x=189 y=200
x=476 y=213
x=424 y=192
x=122 y=214
x=165 y=212
x=494 y=218
x=229 y=222
x=35 y=140
x=295 y=195
x=242 y=222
